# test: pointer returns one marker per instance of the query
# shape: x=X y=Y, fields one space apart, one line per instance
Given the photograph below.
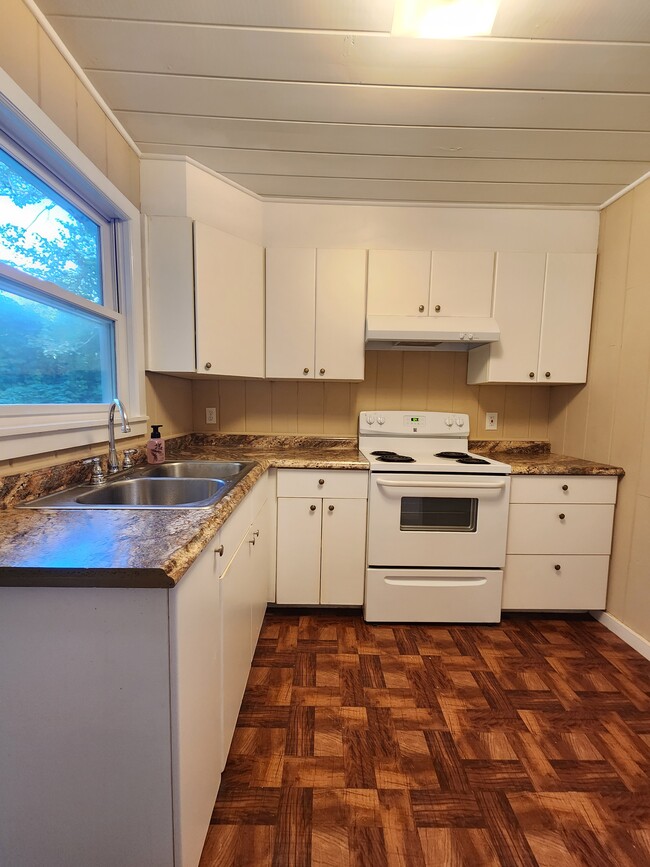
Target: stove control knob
x=370 y=419
x=449 y=421
x=381 y=419
x=460 y=422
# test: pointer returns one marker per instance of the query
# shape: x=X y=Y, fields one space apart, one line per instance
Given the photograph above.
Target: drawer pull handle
x=565 y=487
x=219 y=550
x=312 y=508
x=321 y=481
x=331 y=508
x=557 y=567
x=561 y=516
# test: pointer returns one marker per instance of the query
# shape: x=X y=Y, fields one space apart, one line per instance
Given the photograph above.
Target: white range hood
x=430 y=332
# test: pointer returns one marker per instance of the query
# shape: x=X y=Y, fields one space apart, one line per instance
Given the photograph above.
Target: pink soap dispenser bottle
x=155 y=446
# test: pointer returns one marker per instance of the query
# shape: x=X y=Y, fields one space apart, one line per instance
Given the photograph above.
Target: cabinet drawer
x=563 y=489
x=323 y=483
x=539 y=529
x=532 y=583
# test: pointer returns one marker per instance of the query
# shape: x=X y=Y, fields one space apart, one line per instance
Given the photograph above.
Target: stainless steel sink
x=176 y=485
x=161 y=493
x=200 y=470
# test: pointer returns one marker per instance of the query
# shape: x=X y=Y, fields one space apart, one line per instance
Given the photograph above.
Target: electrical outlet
x=491 y=420
x=210 y=415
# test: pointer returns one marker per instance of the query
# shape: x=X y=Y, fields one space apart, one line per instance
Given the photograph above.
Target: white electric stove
x=437 y=520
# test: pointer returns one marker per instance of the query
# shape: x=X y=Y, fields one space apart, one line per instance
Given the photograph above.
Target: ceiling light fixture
x=444 y=19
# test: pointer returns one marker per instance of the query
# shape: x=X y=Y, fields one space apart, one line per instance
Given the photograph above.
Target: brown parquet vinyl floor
x=524 y=744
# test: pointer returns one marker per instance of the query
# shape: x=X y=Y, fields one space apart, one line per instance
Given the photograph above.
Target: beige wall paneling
x=638 y=269
x=258 y=406
x=491 y=398
x=516 y=412
x=637 y=607
x=311 y=404
x=232 y=405
x=540 y=398
x=441 y=380
x=465 y=397
x=58 y=97
x=19 y=54
x=91 y=128
x=169 y=403
x=363 y=395
x=338 y=417
x=415 y=381
x=123 y=165
x=284 y=407
x=205 y=392
x=390 y=378
x=576 y=420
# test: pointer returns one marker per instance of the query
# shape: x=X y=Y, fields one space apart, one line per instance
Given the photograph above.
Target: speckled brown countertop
x=534 y=458
x=128 y=548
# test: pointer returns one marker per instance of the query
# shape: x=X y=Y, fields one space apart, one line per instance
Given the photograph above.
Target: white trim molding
x=629 y=636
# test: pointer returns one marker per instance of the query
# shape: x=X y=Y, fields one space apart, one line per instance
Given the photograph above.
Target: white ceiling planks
x=300 y=98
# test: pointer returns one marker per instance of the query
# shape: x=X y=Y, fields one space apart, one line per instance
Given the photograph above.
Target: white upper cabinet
x=398 y=282
x=315 y=319
x=461 y=284
x=205 y=300
x=421 y=283
x=542 y=303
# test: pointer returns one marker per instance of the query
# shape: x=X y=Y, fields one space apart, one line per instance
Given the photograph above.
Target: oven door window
x=439 y=514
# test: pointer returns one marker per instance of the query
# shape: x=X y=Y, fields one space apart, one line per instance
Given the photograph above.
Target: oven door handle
x=473 y=486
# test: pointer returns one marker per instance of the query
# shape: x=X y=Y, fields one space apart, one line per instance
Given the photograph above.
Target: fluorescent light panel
x=444 y=19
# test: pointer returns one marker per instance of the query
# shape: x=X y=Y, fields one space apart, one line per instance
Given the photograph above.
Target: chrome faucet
x=113 y=463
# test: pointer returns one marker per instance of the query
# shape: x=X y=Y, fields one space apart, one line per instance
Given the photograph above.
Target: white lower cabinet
x=559 y=542
x=321 y=542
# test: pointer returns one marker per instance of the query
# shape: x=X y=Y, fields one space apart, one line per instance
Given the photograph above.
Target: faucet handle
x=97 y=476
x=127 y=463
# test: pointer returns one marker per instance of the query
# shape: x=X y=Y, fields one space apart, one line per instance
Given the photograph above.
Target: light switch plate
x=210 y=415
x=491 y=420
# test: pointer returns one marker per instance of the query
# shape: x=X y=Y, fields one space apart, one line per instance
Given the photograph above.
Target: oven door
x=431 y=519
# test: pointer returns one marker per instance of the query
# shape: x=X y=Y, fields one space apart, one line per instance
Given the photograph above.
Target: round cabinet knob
x=565 y=487
x=331 y=508
x=531 y=375
x=381 y=419
x=208 y=365
x=437 y=308
x=561 y=516
x=312 y=508
x=557 y=567
x=421 y=308
x=548 y=374
x=321 y=481
x=449 y=422
x=219 y=550
x=305 y=371
x=322 y=371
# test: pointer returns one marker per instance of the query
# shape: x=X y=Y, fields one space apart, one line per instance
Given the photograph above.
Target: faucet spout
x=113 y=463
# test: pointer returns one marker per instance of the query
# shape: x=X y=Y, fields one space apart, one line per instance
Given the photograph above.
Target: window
x=53 y=348
x=70 y=289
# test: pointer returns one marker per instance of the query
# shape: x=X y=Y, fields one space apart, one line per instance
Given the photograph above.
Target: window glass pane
x=44 y=235
x=50 y=353
x=448 y=514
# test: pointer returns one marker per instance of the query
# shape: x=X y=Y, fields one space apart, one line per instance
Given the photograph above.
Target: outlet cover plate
x=491 y=420
x=210 y=415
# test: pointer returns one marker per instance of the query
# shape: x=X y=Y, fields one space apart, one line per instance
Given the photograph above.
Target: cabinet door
x=298 y=553
x=229 y=280
x=518 y=293
x=340 y=314
x=398 y=282
x=290 y=313
x=235 y=587
x=170 y=295
x=461 y=284
x=195 y=660
x=343 y=558
x=263 y=547
x=566 y=318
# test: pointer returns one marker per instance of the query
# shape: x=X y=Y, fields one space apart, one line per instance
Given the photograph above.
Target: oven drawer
x=559 y=529
x=433 y=595
x=535 y=583
x=563 y=489
x=323 y=483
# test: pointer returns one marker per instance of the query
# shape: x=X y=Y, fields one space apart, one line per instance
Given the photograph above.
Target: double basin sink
x=174 y=485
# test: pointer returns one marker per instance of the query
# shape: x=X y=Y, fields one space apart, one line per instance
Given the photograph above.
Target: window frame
x=31 y=138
